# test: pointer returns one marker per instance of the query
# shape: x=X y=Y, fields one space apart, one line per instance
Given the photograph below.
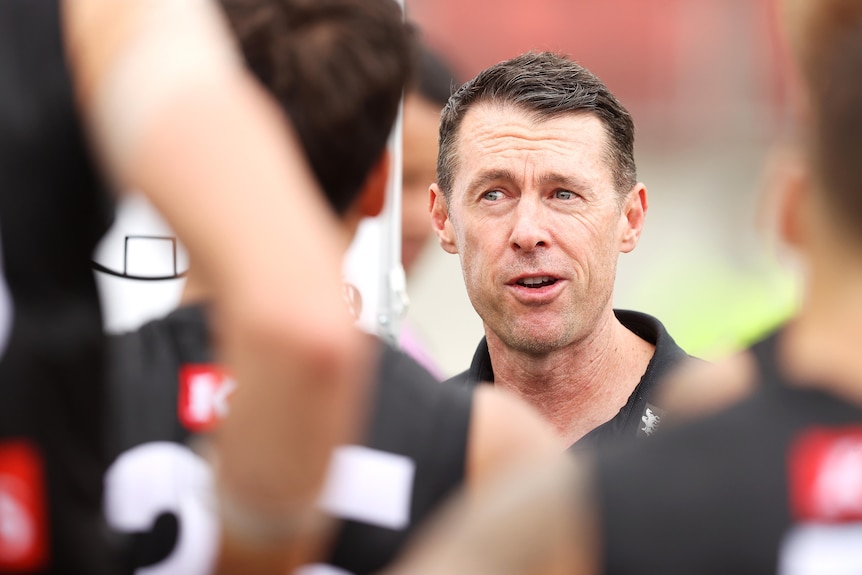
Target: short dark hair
x=435 y=79
x=338 y=69
x=830 y=54
x=547 y=85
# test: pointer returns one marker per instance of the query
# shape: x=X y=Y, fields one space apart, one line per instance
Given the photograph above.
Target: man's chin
x=535 y=343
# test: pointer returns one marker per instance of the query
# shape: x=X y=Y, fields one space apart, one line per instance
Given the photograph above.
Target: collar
x=667 y=352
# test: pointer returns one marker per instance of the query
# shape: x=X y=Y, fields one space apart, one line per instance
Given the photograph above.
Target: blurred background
x=705 y=82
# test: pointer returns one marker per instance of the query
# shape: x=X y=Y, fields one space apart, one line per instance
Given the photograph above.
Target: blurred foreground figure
x=772 y=483
x=337 y=69
x=169 y=110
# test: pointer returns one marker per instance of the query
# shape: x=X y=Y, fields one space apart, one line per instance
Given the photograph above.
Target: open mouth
x=537 y=282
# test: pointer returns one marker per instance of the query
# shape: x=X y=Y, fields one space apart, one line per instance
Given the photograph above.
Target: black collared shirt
x=639 y=416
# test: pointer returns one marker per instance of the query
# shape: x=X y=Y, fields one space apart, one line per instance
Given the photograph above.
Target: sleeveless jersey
x=166 y=393
x=771 y=485
x=52 y=212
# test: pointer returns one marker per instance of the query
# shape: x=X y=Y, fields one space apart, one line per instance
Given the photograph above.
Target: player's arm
x=535 y=519
x=505 y=432
x=697 y=388
x=517 y=514
x=172 y=113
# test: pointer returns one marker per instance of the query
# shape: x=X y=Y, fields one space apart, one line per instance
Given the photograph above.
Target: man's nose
x=529 y=228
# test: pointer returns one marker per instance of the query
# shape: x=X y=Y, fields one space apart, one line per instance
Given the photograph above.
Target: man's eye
x=564 y=195
x=493 y=195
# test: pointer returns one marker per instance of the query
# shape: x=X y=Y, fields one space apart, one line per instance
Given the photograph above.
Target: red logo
x=23 y=521
x=826 y=475
x=204 y=391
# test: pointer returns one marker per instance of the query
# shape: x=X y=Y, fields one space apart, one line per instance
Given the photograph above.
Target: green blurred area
x=713 y=309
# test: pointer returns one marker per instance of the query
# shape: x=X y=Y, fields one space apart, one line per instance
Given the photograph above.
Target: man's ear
x=440 y=220
x=373 y=195
x=632 y=217
x=790 y=203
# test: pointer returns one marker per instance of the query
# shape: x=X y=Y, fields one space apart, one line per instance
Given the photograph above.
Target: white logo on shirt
x=650 y=421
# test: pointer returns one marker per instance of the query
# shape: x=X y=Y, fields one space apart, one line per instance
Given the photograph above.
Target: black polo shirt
x=637 y=418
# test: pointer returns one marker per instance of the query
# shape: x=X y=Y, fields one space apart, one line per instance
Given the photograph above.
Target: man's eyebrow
x=573 y=183
x=486 y=178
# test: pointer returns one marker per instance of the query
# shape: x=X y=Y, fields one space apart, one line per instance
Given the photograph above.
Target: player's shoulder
x=698 y=388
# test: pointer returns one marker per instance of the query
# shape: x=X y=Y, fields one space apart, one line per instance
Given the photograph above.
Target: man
x=771 y=483
x=537 y=194
x=338 y=69
x=64 y=61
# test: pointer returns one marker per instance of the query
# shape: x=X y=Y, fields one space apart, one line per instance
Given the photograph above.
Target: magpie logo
x=650 y=420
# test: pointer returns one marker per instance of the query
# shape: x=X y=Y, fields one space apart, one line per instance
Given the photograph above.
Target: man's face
x=537 y=223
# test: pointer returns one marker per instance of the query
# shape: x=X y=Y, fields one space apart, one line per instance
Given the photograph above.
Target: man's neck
x=581 y=386
x=821 y=347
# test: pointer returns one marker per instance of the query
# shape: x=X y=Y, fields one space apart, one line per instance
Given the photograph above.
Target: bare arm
x=535 y=520
x=505 y=432
x=173 y=113
x=696 y=388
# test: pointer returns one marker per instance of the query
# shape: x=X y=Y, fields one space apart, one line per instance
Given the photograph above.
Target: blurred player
x=141 y=74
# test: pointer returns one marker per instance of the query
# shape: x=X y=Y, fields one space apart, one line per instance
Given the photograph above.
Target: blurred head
x=338 y=69
x=545 y=86
x=422 y=104
x=826 y=38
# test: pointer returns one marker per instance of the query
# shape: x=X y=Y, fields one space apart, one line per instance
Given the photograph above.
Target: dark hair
x=548 y=85
x=435 y=80
x=831 y=59
x=338 y=69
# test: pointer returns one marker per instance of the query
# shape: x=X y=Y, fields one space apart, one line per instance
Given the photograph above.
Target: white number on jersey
x=158 y=477
x=151 y=479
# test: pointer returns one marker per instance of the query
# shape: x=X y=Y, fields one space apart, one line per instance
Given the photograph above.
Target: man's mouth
x=537 y=282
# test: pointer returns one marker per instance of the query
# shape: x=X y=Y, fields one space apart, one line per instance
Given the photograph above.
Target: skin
x=521 y=523
x=532 y=200
x=421 y=123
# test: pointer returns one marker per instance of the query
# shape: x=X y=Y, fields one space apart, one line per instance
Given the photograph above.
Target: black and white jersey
x=52 y=212
x=166 y=394
x=770 y=485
